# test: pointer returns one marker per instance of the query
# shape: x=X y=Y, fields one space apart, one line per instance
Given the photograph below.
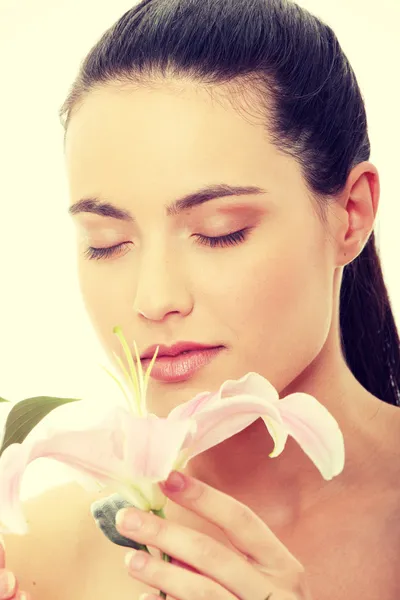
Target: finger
x=244 y=529
x=8 y=584
x=171 y=579
x=209 y=556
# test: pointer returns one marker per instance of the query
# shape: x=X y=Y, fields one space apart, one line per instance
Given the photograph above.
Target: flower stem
x=164 y=556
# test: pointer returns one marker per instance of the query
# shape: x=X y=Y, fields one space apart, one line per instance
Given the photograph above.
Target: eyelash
x=230 y=239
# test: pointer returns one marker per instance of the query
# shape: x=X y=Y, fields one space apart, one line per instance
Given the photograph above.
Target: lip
x=174 y=350
x=181 y=367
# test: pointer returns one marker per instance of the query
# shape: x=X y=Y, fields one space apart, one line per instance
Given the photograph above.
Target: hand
x=260 y=567
x=9 y=592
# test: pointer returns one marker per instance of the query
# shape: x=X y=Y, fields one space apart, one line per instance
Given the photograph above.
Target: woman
x=188 y=99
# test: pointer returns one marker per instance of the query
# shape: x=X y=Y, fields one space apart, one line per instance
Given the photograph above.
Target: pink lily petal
x=93 y=452
x=252 y=384
x=236 y=405
x=316 y=431
x=121 y=450
x=152 y=449
x=232 y=415
x=153 y=445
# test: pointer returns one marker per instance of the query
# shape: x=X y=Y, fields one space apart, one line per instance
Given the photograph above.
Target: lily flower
x=132 y=450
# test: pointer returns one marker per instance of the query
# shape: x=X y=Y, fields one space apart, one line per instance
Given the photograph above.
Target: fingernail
x=128 y=519
x=7 y=583
x=176 y=482
x=128 y=557
x=135 y=560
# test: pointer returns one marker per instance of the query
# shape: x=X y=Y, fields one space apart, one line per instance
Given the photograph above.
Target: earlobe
x=351 y=238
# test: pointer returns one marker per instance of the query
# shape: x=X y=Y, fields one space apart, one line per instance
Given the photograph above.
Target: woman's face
x=267 y=299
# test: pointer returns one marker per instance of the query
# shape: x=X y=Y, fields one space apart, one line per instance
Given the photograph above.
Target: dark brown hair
x=312 y=108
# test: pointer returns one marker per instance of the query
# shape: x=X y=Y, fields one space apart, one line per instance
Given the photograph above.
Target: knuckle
x=155 y=570
x=202 y=546
x=156 y=527
x=198 y=492
x=244 y=517
x=206 y=549
x=206 y=590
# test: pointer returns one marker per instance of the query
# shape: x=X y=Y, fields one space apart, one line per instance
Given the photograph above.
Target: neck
x=280 y=490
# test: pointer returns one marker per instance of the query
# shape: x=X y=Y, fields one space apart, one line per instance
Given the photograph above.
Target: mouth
x=182 y=366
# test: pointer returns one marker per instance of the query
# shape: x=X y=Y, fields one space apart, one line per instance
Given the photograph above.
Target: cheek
x=279 y=309
x=262 y=284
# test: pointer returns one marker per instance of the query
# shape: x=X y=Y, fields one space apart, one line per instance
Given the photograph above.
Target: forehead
x=162 y=126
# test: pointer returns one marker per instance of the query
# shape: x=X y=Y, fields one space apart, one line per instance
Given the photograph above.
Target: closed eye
x=230 y=239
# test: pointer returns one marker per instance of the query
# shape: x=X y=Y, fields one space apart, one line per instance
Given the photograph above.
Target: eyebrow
x=107 y=209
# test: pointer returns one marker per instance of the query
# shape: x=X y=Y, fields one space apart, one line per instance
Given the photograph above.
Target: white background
x=47 y=345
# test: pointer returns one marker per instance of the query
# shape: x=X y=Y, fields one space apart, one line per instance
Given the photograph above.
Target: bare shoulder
x=57 y=521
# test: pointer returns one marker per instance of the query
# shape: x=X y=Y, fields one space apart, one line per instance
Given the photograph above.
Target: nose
x=161 y=288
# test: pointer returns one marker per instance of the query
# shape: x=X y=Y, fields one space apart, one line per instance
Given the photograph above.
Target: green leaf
x=4 y=400
x=25 y=415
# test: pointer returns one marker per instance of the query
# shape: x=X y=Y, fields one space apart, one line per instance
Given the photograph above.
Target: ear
x=355 y=212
